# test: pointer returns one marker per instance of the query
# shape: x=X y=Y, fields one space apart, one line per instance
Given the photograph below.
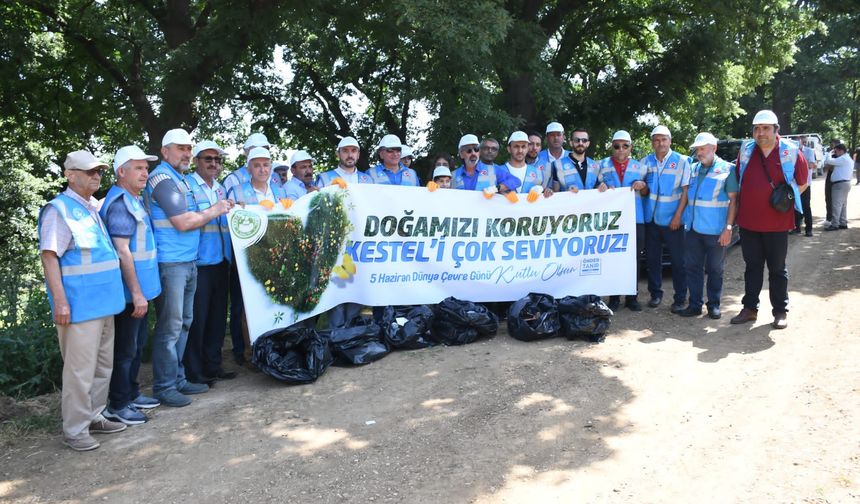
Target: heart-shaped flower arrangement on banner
x=294 y=262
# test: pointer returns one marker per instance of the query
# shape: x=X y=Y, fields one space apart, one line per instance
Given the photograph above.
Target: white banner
x=391 y=245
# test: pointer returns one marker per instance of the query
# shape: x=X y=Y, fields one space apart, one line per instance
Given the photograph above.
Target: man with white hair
x=708 y=219
x=241 y=174
x=390 y=170
x=475 y=175
x=347 y=155
x=131 y=231
x=84 y=285
x=177 y=219
x=764 y=163
x=667 y=174
x=206 y=336
x=549 y=160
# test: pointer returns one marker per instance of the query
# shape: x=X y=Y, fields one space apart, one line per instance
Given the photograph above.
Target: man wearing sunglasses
x=390 y=170
x=549 y=160
x=668 y=177
x=576 y=171
x=623 y=171
x=178 y=219
x=84 y=284
x=475 y=175
x=206 y=336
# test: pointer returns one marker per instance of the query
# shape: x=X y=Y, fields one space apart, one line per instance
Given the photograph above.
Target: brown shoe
x=746 y=315
x=779 y=321
x=85 y=443
x=102 y=425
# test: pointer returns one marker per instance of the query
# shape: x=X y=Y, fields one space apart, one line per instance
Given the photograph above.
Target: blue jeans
x=174 y=310
x=704 y=254
x=655 y=237
x=129 y=339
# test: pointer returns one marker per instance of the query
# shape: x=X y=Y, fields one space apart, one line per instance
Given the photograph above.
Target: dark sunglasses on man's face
x=210 y=159
x=489 y=147
x=470 y=150
x=620 y=146
x=580 y=140
x=94 y=171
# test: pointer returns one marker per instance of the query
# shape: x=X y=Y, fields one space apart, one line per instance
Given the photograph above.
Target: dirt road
x=666 y=410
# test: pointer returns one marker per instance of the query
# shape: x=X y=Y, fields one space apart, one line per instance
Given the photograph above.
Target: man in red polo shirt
x=764 y=230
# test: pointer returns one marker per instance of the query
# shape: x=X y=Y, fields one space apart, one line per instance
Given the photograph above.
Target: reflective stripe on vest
x=326 y=178
x=708 y=204
x=635 y=171
x=215 y=245
x=486 y=177
x=664 y=186
x=378 y=175
x=787 y=159
x=533 y=177
x=141 y=245
x=568 y=175
x=245 y=193
x=172 y=245
x=90 y=272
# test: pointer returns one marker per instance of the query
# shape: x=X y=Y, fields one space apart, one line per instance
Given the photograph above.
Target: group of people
x=162 y=236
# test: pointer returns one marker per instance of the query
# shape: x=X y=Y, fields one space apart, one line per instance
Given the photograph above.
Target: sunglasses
x=620 y=146
x=210 y=159
x=94 y=171
x=470 y=150
x=389 y=151
x=580 y=140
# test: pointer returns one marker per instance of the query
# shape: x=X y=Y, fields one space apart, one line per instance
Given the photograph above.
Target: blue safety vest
x=245 y=193
x=141 y=244
x=787 y=159
x=486 y=177
x=215 y=245
x=172 y=245
x=708 y=203
x=533 y=177
x=664 y=186
x=635 y=171
x=92 y=280
x=543 y=165
x=378 y=175
x=568 y=176
x=241 y=175
x=325 y=179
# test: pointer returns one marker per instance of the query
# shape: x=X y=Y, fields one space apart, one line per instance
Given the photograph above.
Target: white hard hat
x=406 y=151
x=348 y=142
x=468 y=140
x=176 y=136
x=299 y=156
x=256 y=140
x=441 y=171
x=704 y=139
x=390 y=142
x=765 y=117
x=554 y=127
x=259 y=152
x=206 y=145
x=622 y=135
x=128 y=153
x=661 y=130
x=518 y=136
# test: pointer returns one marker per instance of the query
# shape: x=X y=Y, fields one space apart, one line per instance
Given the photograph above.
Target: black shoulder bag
x=782 y=195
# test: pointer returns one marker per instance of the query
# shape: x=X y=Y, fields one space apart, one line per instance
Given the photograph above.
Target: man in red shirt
x=764 y=230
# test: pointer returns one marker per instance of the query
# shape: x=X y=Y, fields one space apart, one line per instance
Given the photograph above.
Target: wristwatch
x=728 y=227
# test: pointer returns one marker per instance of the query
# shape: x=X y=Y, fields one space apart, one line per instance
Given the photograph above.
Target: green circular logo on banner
x=245 y=224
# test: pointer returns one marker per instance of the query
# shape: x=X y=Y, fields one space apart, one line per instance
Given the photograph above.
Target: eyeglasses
x=390 y=150
x=210 y=159
x=620 y=146
x=580 y=140
x=490 y=148
x=470 y=150
x=94 y=171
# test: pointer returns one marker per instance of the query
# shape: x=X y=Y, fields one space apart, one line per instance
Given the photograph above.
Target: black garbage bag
x=294 y=355
x=360 y=342
x=585 y=317
x=459 y=322
x=407 y=327
x=534 y=317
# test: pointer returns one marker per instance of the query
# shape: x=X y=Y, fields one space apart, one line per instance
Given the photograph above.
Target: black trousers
x=828 y=200
x=806 y=216
x=206 y=336
x=760 y=249
x=640 y=254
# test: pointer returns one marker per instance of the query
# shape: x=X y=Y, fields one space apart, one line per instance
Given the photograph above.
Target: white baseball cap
x=704 y=139
x=206 y=145
x=82 y=160
x=406 y=151
x=554 y=127
x=661 y=130
x=300 y=155
x=765 y=117
x=128 y=153
x=518 y=136
x=256 y=140
x=390 y=142
x=176 y=136
x=441 y=171
x=622 y=135
x=348 y=142
x=259 y=152
x=468 y=140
